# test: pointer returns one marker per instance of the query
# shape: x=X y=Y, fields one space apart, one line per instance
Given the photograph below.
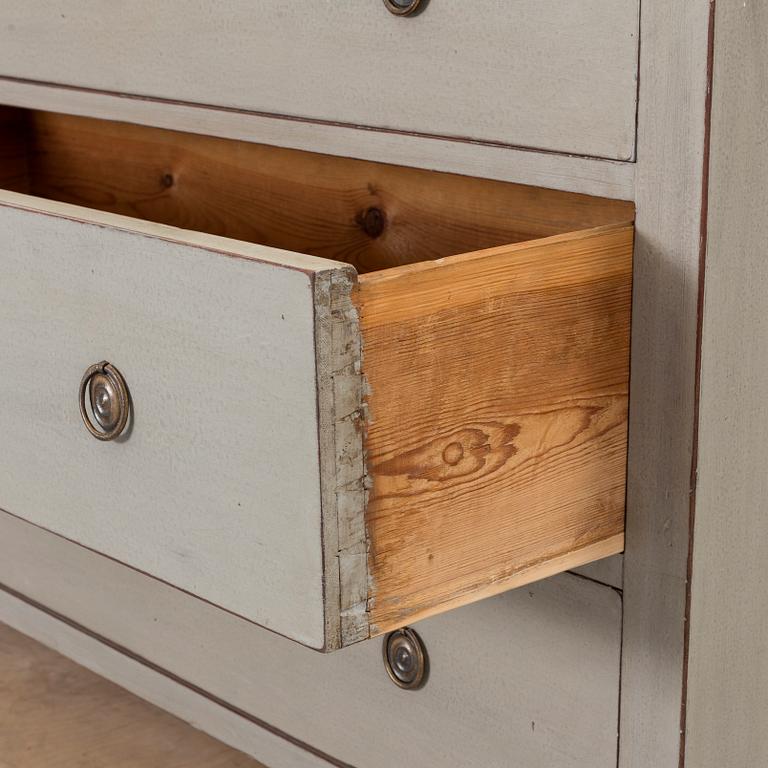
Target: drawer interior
x=371 y=215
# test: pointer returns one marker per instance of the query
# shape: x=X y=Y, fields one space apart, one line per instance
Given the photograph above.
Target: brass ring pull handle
x=404 y=7
x=109 y=401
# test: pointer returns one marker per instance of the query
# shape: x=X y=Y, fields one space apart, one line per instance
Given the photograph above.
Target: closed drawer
x=546 y=74
x=529 y=678
x=329 y=449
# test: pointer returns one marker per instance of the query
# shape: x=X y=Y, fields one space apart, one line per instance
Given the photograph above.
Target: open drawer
x=420 y=401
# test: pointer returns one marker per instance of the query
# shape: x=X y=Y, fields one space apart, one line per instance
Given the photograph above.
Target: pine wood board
x=371 y=215
x=496 y=418
x=57 y=714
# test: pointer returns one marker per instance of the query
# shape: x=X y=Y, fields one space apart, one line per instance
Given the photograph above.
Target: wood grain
x=496 y=432
x=371 y=215
x=57 y=714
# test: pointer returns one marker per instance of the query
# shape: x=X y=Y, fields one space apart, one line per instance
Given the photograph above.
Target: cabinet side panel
x=728 y=665
x=670 y=158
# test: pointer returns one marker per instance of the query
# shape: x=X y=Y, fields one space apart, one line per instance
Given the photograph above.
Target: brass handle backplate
x=404 y=7
x=405 y=659
x=105 y=388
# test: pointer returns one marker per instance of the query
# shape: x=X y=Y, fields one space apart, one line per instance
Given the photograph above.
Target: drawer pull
x=109 y=401
x=405 y=7
x=405 y=659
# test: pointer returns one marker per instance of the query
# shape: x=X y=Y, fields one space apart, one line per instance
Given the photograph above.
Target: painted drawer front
x=553 y=75
x=528 y=679
x=214 y=487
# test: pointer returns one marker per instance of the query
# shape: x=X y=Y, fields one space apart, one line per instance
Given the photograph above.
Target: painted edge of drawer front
x=214 y=243
x=531 y=676
x=114 y=276
x=569 y=173
x=342 y=459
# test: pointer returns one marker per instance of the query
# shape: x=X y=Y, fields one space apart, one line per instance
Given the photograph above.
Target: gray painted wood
x=671 y=137
x=671 y=146
x=728 y=664
x=528 y=678
x=548 y=75
x=605 y=178
x=215 y=488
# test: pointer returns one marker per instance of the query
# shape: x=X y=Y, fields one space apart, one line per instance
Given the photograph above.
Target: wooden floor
x=57 y=714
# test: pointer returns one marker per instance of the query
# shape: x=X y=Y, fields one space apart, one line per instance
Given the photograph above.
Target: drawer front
x=527 y=679
x=214 y=486
x=547 y=74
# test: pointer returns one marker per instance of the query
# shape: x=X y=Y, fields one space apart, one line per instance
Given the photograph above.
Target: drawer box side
x=496 y=418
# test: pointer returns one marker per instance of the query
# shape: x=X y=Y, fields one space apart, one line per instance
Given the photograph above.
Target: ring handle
x=110 y=402
x=404 y=7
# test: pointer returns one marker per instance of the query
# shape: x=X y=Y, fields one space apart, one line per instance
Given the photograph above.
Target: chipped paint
x=342 y=459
